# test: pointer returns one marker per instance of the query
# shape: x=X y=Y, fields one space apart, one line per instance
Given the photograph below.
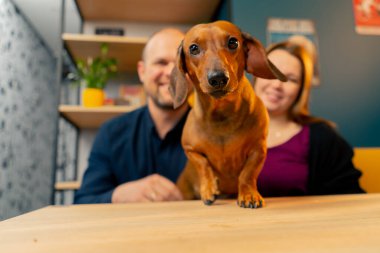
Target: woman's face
x=279 y=96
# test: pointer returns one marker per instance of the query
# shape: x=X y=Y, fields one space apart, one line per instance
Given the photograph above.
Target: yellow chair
x=367 y=160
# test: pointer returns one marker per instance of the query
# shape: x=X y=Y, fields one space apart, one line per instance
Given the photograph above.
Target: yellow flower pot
x=92 y=97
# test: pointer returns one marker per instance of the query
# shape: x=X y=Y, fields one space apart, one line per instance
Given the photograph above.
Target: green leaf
x=95 y=72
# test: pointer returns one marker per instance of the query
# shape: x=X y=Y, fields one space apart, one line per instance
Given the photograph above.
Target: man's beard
x=160 y=104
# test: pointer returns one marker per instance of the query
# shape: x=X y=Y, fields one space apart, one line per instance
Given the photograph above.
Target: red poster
x=367 y=16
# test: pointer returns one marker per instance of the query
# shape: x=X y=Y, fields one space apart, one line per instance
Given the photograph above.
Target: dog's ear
x=179 y=86
x=257 y=62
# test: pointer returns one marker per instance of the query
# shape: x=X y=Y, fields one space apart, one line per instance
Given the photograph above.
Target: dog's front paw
x=209 y=192
x=209 y=201
x=249 y=198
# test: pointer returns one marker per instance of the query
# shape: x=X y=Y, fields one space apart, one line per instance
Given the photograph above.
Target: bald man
x=137 y=157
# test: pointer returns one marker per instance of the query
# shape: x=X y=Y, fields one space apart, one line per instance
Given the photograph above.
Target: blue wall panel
x=350 y=63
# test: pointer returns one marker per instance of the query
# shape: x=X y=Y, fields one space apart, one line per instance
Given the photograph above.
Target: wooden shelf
x=126 y=50
x=162 y=11
x=92 y=118
x=68 y=185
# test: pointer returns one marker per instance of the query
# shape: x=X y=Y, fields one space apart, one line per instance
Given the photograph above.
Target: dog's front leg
x=207 y=180
x=249 y=196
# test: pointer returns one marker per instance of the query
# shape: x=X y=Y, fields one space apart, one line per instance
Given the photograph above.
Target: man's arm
x=151 y=188
x=99 y=184
x=98 y=181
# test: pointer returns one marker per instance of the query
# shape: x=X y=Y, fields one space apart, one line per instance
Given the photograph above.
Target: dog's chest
x=227 y=167
x=226 y=145
x=227 y=156
x=219 y=117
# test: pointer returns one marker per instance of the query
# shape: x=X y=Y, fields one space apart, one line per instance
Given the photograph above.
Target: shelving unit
x=69 y=185
x=127 y=50
x=135 y=16
x=159 y=11
x=91 y=118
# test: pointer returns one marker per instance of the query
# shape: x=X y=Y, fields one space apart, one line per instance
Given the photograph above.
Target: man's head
x=157 y=62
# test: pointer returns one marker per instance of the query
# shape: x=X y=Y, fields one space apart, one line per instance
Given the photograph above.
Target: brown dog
x=224 y=137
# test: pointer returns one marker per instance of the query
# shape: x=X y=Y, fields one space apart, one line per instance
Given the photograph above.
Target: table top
x=345 y=223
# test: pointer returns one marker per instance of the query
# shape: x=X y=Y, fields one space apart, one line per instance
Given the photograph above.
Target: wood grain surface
x=346 y=223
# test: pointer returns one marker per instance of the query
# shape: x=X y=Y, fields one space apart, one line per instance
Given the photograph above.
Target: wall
x=45 y=15
x=350 y=80
x=27 y=115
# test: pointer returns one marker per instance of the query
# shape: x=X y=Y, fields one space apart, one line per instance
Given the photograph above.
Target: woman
x=306 y=156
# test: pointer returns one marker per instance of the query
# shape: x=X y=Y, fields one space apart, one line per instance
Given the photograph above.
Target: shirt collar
x=177 y=129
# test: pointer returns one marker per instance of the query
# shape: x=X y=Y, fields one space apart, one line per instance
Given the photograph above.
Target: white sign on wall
x=301 y=31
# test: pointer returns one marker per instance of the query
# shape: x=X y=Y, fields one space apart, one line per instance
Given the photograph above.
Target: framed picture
x=301 y=31
x=367 y=16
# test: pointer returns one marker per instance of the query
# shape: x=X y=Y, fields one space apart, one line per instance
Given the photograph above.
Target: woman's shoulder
x=322 y=128
x=325 y=134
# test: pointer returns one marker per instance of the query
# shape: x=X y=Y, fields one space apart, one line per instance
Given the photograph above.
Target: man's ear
x=179 y=86
x=256 y=61
x=141 y=70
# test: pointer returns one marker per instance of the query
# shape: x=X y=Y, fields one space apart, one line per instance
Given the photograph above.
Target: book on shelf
x=109 y=31
x=128 y=95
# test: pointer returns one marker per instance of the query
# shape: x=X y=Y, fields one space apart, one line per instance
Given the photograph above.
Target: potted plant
x=93 y=74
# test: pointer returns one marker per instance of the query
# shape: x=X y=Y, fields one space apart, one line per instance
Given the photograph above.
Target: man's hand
x=148 y=189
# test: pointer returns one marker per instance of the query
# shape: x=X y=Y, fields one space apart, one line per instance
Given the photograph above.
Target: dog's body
x=224 y=136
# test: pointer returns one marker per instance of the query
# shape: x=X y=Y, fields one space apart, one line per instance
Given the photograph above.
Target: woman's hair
x=299 y=111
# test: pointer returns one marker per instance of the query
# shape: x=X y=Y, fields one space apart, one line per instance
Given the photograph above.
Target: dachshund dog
x=224 y=137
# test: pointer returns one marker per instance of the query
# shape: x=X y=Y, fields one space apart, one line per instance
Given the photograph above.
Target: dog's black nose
x=217 y=79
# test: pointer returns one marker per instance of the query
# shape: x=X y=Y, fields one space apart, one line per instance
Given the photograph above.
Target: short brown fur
x=225 y=133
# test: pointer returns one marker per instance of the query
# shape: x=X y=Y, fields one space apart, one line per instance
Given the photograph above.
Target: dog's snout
x=217 y=79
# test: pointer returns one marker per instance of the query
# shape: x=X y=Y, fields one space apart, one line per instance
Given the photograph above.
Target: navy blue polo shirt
x=128 y=148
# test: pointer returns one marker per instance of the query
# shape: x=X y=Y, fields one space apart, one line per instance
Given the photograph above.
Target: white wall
x=28 y=96
x=45 y=17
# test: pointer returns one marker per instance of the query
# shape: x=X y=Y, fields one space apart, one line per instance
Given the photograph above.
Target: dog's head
x=213 y=57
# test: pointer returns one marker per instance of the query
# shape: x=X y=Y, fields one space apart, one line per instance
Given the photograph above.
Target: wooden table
x=347 y=223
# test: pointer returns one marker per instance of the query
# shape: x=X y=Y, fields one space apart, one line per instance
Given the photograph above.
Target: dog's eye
x=233 y=43
x=194 y=49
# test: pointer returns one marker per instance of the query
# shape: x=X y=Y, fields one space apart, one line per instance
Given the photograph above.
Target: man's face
x=154 y=71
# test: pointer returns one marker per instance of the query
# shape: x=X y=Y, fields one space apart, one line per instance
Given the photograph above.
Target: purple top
x=286 y=170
